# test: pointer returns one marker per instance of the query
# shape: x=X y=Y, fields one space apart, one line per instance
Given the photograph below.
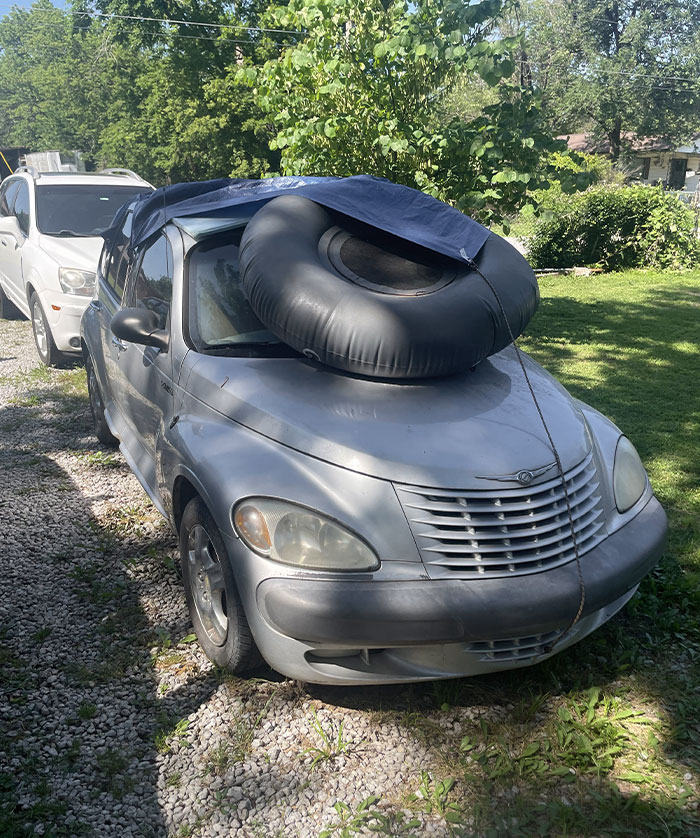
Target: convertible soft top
x=387 y=206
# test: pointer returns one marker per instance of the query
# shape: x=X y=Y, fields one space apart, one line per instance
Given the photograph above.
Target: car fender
x=226 y=462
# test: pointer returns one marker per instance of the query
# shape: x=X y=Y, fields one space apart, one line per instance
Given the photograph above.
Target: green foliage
x=360 y=93
x=157 y=99
x=434 y=798
x=616 y=228
x=609 y=67
x=363 y=818
x=331 y=745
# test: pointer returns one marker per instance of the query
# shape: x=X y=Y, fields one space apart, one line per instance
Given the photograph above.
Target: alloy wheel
x=39 y=327
x=207 y=584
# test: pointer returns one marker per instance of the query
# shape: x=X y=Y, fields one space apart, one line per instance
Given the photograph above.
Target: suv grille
x=508 y=531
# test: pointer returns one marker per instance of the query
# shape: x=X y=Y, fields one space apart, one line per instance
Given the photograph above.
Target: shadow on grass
x=644 y=362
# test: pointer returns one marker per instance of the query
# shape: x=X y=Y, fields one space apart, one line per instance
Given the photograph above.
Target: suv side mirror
x=9 y=226
x=140 y=325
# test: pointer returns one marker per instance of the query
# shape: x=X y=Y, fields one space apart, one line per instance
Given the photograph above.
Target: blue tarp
x=396 y=209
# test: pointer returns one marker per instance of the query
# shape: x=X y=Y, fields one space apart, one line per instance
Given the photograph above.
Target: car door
x=10 y=248
x=145 y=373
x=112 y=271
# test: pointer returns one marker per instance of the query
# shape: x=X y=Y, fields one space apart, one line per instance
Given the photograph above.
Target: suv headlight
x=294 y=535
x=629 y=476
x=77 y=282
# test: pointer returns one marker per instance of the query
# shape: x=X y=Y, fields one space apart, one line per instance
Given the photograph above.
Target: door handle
x=120 y=346
x=96 y=305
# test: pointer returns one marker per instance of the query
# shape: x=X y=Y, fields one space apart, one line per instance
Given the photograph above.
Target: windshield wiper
x=72 y=233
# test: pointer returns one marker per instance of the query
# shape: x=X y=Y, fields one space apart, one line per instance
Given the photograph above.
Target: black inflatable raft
x=368 y=302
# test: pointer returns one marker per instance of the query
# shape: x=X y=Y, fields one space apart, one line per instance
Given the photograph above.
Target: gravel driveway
x=112 y=722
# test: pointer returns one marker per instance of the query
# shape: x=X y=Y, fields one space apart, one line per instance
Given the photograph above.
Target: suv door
x=146 y=389
x=15 y=199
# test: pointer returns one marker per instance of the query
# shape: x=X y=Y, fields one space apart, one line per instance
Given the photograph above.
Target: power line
x=155 y=34
x=139 y=19
x=134 y=19
x=624 y=73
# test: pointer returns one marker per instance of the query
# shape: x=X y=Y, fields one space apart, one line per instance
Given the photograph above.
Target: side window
x=7 y=196
x=21 y=208
x=118 y=261
x=152 y=287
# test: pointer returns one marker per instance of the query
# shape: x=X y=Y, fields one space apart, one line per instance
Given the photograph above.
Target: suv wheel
x=212 y=597
x=97 y=408
x=43 y=338
x=8 y=310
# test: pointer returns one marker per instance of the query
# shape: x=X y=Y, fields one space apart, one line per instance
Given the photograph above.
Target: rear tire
x=45 y=346
x=99 y=423
x=8 y=310
x=212 y=596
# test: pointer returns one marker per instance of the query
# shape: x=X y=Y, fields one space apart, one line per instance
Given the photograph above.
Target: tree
x=613 y=66
x=52 y=89
x=356 y=87
x=149 y=95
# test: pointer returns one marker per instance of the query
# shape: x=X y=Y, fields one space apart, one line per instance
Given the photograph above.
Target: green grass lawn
x=629 y=345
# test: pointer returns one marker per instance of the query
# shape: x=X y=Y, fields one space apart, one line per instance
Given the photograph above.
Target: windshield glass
x=80 y=209
x=219 y=314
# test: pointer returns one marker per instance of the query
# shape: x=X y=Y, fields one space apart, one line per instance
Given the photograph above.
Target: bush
x=616 y=227
x=577 y=171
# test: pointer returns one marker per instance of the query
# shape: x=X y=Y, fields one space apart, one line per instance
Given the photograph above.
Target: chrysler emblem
x=524 y=476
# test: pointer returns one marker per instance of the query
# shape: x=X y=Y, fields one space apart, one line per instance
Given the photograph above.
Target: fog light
x=75 y=343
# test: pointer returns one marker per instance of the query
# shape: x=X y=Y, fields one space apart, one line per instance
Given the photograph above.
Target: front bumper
x=448 y=628
x=64 y=312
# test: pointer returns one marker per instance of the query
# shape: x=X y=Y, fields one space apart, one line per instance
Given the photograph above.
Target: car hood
x=453 y=432
x=81 y=253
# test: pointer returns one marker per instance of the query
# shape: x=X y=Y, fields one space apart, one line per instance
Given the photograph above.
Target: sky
x=5 y=5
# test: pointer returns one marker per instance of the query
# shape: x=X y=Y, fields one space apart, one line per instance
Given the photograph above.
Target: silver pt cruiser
x=350 y=530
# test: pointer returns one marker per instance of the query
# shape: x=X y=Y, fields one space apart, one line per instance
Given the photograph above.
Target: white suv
x=50 y=240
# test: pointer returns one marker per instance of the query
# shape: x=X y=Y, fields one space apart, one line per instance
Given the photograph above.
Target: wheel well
x=183 y=492
x=30 y=290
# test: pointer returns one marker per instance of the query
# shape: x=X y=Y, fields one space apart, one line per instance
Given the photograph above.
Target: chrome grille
x=502 y=532
x=514 y=648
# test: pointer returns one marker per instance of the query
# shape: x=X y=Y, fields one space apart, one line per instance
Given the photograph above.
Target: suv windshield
x=219 y=314
x=80 y=210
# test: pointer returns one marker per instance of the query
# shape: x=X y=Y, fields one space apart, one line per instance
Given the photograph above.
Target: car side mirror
x=9 y=226
x=140 y=325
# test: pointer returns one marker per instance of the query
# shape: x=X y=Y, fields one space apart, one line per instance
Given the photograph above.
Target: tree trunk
x=525 y=71
x=615 y=139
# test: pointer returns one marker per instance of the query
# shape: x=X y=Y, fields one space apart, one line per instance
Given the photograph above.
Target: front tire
x=97 y=408
x=212 y=596
x=45 y=346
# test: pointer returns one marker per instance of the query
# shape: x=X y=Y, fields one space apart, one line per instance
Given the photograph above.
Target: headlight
x=294 y=535
x=78 y=282
x=629 y=476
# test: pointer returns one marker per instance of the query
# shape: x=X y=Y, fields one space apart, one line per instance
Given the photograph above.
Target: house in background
x=676 y=167
x=42 y=161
